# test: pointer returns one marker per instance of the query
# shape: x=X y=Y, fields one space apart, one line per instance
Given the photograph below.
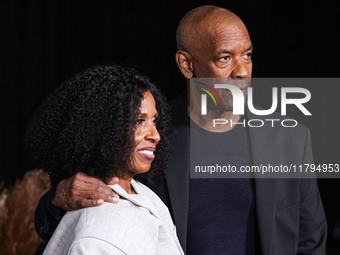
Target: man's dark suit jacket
x=289 y=212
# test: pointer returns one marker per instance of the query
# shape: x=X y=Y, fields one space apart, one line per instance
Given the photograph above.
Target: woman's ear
x=184 y=62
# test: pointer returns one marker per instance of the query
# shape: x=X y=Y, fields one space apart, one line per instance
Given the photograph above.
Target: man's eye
x=155 y=120
x=248 y=55
x=225 y=58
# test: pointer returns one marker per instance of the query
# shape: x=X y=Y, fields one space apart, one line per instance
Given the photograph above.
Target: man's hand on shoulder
x=80 y=191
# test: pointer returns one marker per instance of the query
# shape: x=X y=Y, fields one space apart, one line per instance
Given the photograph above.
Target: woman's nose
x=153 y=134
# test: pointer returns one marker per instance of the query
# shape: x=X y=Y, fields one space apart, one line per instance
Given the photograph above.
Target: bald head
x=213 y=42
x=197 y=26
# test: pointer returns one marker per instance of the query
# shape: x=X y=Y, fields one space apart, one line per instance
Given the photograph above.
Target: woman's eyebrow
x=143 y=114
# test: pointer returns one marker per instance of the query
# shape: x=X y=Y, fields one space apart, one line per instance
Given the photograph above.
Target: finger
x=90 y=184
x=112 y=197
x=84 y=203
x=100 y=186
x=104 y=189
x=94 y=192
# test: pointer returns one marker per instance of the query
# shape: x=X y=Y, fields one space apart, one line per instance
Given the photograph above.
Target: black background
x=46 y=42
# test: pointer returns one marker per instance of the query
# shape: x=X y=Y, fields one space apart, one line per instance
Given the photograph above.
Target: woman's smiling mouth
x=148 y=153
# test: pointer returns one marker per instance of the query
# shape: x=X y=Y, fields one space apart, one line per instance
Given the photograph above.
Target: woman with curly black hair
x=107 y=122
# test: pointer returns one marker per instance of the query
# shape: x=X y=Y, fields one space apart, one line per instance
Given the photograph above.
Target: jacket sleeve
x=313 y=225
x=46 y=219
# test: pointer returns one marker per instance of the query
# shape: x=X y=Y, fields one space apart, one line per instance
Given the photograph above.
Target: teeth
x=146 y=152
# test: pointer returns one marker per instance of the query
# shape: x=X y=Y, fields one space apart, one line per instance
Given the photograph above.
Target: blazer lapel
x=141 y=201
x=264 y=150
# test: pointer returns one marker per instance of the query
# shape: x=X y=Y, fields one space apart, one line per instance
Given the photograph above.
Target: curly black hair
x=88 y=123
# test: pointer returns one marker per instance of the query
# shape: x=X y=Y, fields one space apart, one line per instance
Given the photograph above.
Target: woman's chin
x=142 y=171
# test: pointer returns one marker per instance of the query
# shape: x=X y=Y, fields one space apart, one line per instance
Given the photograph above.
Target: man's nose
x=240 y=69
x=152 y=134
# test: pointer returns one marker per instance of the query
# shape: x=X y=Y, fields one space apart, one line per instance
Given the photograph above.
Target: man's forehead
x=228 y=29
x=229 y=35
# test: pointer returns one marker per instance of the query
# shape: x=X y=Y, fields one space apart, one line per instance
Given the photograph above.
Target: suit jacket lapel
x=264 y=150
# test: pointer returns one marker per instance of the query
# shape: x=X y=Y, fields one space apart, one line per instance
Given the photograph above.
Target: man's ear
x=184 y=62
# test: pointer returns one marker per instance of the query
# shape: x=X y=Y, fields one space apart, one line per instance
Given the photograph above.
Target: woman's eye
x=139 y=121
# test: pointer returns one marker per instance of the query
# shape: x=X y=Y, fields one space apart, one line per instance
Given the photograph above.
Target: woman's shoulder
x=128 y=225
x=122 y=213
x=116 y=224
